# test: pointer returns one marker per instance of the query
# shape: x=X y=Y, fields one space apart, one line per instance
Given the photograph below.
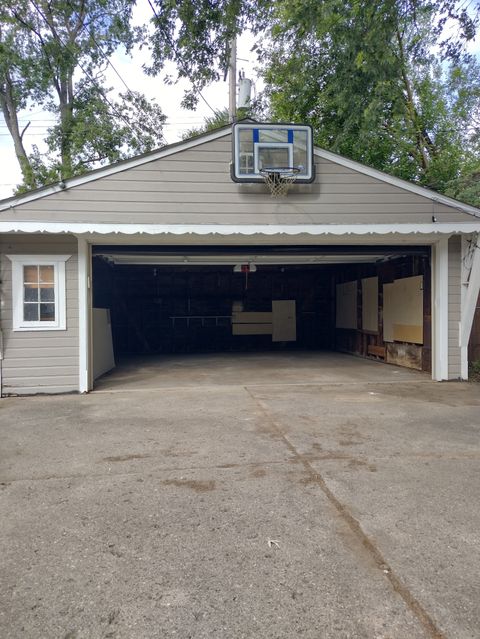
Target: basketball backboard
x=259 y=147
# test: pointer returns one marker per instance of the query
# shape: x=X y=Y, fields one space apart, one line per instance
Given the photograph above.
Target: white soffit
x=81 y=228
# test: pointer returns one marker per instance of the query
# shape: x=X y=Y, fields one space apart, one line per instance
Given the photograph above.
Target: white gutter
x=81 y=228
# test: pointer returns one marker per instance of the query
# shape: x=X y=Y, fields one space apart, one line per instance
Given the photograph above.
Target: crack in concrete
x=227 y=466
x=217 y=387
x=398 y=586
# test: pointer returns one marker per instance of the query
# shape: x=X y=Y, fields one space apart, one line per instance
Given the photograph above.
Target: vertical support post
x=83 y=315
x=232 y=81
x=440 y=309
x=470 y=292
x=464 y=275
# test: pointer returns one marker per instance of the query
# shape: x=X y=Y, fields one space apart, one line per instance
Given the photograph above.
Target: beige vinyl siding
x=194 y=186
x=39 y=361
x=454 y=306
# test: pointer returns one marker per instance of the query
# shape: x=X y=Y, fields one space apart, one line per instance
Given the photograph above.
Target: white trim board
x=83 y=315
x=80 y=228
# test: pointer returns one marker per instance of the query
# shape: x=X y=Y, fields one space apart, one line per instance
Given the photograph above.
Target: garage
x=159 y=301
x=243 y=241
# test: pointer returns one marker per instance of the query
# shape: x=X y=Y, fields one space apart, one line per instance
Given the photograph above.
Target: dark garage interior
x=167 y=301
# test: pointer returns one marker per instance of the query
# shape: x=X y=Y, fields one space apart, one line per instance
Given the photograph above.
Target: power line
x=87 y=74
x=132 y=94
x=173 y=46
x=167 y=124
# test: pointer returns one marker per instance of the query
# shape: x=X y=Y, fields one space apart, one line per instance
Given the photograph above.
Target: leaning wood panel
x=388 y=312
x=249 y=317
x=407 y=333
x=346 y=305
x=252 y=329
x=403 y=310
x=370 y=304
x=284 y=320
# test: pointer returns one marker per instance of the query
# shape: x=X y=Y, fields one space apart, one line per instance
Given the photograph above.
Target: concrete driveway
x=273 y=508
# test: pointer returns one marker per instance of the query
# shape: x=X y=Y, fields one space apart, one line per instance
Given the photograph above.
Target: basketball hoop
x=280 y=179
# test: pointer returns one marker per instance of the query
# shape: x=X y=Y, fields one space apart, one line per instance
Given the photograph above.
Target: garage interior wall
x=371 y=344
x=168 y=309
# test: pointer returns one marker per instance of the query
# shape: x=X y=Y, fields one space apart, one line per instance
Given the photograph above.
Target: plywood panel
x=346 y=305
x=284 y=321
x=252 y=329
x=370 y=304
x=403 y=310
x=406 y=333
x=388 y=312
x=103 y=357
x=251 y=318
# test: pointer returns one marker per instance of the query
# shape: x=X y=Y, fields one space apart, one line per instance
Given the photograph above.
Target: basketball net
x=279 y=181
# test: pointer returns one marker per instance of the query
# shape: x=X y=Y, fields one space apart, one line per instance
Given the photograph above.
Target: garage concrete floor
x=344 y=506
x=290 y=367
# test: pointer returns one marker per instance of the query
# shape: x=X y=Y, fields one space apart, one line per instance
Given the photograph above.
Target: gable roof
x=136 y=163
x=111 y=169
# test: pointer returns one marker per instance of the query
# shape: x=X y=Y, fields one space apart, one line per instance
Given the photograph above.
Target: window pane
x=31 y=293
x=46 y=274
x=47 y=294
x=30 y=274
x=30 y=312
x=47 y=312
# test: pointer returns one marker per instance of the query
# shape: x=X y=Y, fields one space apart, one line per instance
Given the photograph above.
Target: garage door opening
x=158 y=302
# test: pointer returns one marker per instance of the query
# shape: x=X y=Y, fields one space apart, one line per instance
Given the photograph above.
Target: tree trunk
x=9 y=110
x=422 y=141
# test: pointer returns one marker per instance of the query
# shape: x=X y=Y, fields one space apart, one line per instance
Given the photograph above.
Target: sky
x=130 y=69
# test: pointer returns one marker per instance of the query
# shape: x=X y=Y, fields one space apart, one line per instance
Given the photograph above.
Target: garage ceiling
x=229 y=256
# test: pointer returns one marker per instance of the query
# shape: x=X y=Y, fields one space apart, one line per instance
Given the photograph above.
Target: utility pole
x=232 y=81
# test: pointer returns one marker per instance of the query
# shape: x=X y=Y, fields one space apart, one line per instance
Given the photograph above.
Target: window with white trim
x=38 y=292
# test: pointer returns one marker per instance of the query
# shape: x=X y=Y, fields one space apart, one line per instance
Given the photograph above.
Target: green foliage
x=474 y=373
x=196 y=35
x=380 y=84
x=212 y=122
x=215 y=121
x=53 y=55
x=466 y=187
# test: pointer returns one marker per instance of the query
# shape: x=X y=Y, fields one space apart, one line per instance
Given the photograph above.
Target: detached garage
x=184 y=250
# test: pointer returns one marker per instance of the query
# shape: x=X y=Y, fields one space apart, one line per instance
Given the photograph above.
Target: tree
x=217 y=120
x=379 y=82
x=53 y=54
x=196 y=35
x=211 y=122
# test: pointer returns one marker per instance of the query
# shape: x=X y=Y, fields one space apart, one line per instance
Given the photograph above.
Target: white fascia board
x=112 y=169
x=398 y=182
x=85 y=228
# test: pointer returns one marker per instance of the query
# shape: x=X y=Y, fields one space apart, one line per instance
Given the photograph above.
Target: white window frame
x=58 y=263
